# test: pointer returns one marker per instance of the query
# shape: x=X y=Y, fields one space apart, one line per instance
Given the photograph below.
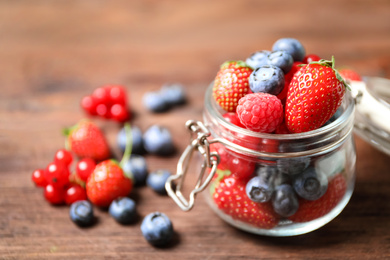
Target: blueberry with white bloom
x=158 y=140
x=173 y=94
x=291 y=46
x=136 y=166
x=123 y=210
x=311 y=184
x=281 y=59
x=154 y=102
x=137 y=140
x=157 y=229
x=258 y=59
x=267 y=79
x=157 y=179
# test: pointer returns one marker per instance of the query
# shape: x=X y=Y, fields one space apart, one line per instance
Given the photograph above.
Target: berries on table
x=38 y=177
x=136 y=140
x=259 y=189
x=173 y=94
x=315 y=93
x=157 y=229
x=85 y=139
x=282 y=60
x=310 y=210
x=229 y=196
x=81 y=213
x=123 y=210
x=156 y=180
x=84 y=168
x=267 y=79
x=74 y=193
x=158 y=140
x=260 y=112
x=311 y=184
x=63 y=156
x=284 y=200
x=291 y=46
x=231 y=84
x=54 y=195
x=258 y=59
x=137 y=167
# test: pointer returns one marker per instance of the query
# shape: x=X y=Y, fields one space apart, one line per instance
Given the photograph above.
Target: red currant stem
x=129 y=145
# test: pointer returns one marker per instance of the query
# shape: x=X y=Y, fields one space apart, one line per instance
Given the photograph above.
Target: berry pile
x=109 y=102
x=281 y=91
x=84 y=174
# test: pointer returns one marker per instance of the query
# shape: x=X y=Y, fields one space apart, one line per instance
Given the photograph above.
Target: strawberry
x=107 y=183
x=313 y=209
x=86 y=140
x=315 y=93
x=350 y=74
x=231 y=84
x=230 y=197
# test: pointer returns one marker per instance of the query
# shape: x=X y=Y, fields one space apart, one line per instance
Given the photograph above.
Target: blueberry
x=173 y=94
x=157 y=229
x=158 y=140
x=81 y=213
x=137 y=140
x=291 y=46
x=258 y=59
x=260 y=187
x=123 y=210
x=281 y=59
x=267 y=79
x=293 y=166
x=154 y=102
x=284 y=200
x=137 y=167
x=311 y=184
x=156 y=180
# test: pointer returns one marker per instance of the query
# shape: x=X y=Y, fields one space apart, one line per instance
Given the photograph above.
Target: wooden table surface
x=54 y=52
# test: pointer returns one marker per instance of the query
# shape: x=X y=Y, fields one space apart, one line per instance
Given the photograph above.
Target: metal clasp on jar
x=200 y=143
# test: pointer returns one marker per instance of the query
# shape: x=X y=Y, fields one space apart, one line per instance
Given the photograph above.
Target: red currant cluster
x=109 y=102
x=60 y=186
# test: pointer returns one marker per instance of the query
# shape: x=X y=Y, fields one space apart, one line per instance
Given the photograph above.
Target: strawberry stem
x=129 y=145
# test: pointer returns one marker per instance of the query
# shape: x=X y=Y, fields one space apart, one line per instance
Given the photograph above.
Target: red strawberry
x=86 y=140
x=315 y=93
x=107 y=183
x=287 y=79
x=350 y=74
x=310 y=210
x=230 y=197
x=231 y=84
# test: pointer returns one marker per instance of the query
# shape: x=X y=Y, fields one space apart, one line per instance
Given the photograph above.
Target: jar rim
x=345 y=120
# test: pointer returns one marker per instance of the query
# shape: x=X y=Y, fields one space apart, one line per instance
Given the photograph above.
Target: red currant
x=233 y=118
x=84 y=168
x=89 y=103
x=54 y=195
x=119 y=113
x=117 y=94
x=63 y=156
x=241 y=168
x=310 y=57
x=103 y=110
x=101 y=96
x=38 y=178
x=57 y=174
x=75 y=193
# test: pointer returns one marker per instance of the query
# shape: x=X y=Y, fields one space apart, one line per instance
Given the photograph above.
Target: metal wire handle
x=210 y=160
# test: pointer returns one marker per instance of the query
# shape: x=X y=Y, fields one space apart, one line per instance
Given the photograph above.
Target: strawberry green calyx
x=238 y=63
x=220 y=175
x=128 y=148
x=331 y=64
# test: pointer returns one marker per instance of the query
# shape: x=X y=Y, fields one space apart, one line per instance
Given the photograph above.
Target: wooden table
x=54 y=52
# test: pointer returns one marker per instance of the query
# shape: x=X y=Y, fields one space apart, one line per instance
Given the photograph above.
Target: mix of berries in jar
x=283 y=91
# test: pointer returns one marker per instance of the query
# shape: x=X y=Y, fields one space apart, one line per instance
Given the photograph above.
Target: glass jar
x=269 y=184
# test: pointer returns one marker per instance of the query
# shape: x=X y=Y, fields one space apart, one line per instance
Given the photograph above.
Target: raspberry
x=260 y=112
